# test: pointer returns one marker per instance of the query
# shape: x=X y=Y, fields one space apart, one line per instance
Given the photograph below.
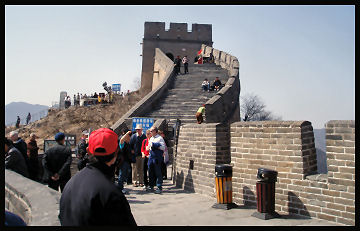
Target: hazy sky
x=300 y=60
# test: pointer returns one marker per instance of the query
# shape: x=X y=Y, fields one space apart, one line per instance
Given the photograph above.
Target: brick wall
x=288 y=147
x=205 y=145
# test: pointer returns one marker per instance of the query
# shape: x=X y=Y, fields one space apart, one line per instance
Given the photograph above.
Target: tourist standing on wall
x=28 y=118
x=81 y=150
x=145 y=155
x=90 y=198
x=125 y=167
x=177 y=62
x=20 y=145
x=14 y=160
x=32 y=151
x=137 y=167
x=199 y=114
x=56 y=163
x=185 y=61
x=156 y=147
x=17 y=122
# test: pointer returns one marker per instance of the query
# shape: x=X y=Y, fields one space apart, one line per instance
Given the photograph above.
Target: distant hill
x=14 y=109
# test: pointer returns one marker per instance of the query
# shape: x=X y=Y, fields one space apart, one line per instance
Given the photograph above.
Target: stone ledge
x=42 y=200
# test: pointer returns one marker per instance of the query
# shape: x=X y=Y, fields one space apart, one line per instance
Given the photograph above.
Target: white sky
x=300 y=60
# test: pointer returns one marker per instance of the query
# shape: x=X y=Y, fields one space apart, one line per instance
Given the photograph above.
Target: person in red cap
x=90 y=198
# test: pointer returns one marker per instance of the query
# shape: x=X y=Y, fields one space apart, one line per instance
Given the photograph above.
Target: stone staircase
x=186 y=95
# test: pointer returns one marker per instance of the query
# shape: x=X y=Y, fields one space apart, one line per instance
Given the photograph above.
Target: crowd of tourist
x=142 y=158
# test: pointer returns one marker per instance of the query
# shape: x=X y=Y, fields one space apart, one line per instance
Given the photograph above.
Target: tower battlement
x=199 y=32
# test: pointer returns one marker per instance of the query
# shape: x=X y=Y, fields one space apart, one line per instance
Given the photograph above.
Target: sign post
x=145 y=122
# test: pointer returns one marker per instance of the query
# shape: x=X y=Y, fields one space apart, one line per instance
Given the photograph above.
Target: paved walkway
x=178 y=207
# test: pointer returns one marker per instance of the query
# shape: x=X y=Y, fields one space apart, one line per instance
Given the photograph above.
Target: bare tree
x=136 y=83
x=253 y=109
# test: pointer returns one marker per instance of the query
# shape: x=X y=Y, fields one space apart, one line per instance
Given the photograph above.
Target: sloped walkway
x=176 y=207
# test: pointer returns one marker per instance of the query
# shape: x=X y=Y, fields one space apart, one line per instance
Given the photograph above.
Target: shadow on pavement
x=137 y=202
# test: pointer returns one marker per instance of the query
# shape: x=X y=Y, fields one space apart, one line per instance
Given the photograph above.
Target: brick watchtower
x=175 y=41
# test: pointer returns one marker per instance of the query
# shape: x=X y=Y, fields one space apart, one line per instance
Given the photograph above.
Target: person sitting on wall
x=217 y=85
x=199 y=114
x=205 y=85
x=14 y=160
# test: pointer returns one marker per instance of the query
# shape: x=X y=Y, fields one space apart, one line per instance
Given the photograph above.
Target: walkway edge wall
x=35 y=203
x=148 y=102
x=227 y=99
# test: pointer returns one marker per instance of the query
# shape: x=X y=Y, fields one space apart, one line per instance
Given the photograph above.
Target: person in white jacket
x=156 y=147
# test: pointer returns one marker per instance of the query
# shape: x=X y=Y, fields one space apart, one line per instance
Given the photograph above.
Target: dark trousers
x=55 y=184
x=33 y=169
x=155 y=175
x=186 y=70
x=163 y=170
x=199 y=117
x=124 y=173
x=146 y=181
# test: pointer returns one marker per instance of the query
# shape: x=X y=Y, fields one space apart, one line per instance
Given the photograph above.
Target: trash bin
x=265 y=194
x=223 y=184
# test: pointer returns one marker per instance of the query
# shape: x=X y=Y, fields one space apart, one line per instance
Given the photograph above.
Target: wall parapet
x=148 y=102
x=288 y=147
x=200 y=147
x=227 y=99
x=35 y=203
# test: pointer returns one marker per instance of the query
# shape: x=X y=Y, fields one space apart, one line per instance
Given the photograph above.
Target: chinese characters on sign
x=145 y=122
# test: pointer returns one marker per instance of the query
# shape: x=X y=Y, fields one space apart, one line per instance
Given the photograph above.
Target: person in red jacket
x=145 y=155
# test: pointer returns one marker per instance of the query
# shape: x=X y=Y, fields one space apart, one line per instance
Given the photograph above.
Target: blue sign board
x=116 y=87
x=145 y=122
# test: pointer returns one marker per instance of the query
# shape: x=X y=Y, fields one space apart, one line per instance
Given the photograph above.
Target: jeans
x=155 y=175
x=205 y=87
x=124 y=172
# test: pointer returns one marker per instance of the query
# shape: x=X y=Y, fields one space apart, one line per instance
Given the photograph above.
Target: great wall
x=287 y=147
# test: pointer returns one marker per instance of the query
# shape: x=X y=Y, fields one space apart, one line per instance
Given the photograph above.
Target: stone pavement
x=178 y=207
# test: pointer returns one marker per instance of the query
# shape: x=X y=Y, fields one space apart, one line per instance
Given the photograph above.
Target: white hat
x=138 y=126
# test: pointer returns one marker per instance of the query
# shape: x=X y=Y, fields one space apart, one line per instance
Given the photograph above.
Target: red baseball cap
x=103 y=138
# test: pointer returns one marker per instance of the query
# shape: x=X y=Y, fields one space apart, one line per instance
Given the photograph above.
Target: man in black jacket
x=56 y=163
x=20 y=145
x=90 y=198
x=14 y=160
